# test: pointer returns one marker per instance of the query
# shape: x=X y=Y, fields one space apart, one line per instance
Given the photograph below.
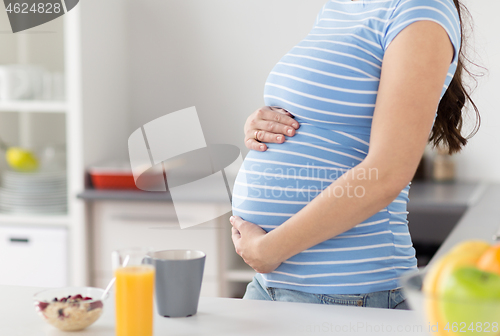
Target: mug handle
x=147 y=260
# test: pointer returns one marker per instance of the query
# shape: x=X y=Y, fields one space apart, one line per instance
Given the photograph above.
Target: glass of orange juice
x=133 y=292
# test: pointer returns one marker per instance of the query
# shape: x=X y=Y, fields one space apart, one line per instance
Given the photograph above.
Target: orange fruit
x=490 y=260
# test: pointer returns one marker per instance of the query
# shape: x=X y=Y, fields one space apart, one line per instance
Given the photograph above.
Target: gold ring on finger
x=255 y=135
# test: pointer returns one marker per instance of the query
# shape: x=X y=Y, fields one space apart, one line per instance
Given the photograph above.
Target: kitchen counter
x=422 y=195
x=202 y=194
x=435 y=209
x=480 y=221
x=220 y=317
x=124 y=195
x=444 y=196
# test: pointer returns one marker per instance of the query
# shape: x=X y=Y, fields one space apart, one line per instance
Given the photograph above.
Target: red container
x=112 y=176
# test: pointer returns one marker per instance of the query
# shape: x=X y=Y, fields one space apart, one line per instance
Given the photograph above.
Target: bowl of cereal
x=70 y=308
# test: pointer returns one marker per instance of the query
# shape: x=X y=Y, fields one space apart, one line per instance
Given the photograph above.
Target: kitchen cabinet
x=33 y=256
x=115 y=225
x=90 y=124
x=35 y=124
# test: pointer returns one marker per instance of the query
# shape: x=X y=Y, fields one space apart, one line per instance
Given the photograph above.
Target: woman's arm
x=414 y=70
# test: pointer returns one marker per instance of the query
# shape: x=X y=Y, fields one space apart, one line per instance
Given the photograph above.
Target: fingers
x=237 y=222
x=277 y=115
x=264 y=136
x=276 y=125
x=235 y=239
x=251 y=143
x=266 y=131
x=235 y=236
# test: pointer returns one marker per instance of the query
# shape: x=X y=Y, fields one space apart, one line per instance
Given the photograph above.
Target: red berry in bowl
x=42 y=305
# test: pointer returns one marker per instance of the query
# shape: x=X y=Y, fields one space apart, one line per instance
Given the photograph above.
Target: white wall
x=481 y=158
x=213 y=54
x=105 y=76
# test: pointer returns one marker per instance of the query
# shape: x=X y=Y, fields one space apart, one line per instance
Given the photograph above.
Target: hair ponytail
x=447 y=130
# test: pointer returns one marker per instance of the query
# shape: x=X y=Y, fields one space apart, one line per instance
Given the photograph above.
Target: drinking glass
x=134 y=292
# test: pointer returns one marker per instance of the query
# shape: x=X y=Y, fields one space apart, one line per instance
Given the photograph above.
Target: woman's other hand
x=268 y=124
x=247 y=239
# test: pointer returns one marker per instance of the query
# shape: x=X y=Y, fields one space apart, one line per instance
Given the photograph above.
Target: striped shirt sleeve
x=442 y=12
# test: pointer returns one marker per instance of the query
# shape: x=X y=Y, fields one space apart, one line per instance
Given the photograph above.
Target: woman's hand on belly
x=246 y=239
x=268 y=124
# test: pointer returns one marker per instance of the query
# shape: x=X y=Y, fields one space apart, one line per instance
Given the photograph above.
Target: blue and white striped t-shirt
x=329 y=82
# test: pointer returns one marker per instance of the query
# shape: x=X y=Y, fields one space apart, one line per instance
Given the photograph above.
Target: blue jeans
x=392 y=299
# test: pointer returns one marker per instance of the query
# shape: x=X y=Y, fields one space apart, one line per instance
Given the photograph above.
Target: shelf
x=38 y=220
x=240 y=275
x=33 y=106
x=124 y=195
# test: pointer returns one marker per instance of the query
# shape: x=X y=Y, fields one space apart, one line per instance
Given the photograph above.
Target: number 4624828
x=41 y=8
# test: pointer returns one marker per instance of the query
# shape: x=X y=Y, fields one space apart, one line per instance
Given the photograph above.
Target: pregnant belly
x=272 y=186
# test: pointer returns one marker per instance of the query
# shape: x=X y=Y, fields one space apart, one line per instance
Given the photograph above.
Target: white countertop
x=220 y=317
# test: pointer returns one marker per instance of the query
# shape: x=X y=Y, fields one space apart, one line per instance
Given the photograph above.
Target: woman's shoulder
x=446 y=6
x=405 y=12
x=443 y=12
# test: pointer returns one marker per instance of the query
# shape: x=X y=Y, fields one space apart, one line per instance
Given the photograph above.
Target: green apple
x=21 y=159
x=471 y=301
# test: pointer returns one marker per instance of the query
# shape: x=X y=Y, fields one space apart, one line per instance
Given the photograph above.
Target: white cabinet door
x=119 y=225
x=34 y=257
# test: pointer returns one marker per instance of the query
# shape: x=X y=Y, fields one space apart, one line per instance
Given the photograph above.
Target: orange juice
x=134 y=300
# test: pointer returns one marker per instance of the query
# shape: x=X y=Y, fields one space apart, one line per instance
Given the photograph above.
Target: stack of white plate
x=33 y=193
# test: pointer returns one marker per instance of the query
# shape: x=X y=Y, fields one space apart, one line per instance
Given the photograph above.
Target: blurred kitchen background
x=74 y=89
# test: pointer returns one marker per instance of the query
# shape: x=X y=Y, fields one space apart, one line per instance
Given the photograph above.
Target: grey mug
x=178 y=278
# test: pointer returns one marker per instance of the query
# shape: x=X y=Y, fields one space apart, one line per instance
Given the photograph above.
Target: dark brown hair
x=447 y=130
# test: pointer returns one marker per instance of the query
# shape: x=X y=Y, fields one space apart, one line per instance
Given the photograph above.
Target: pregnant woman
x=320 y=201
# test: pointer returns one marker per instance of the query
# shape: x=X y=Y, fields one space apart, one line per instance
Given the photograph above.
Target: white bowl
x=69 y=316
